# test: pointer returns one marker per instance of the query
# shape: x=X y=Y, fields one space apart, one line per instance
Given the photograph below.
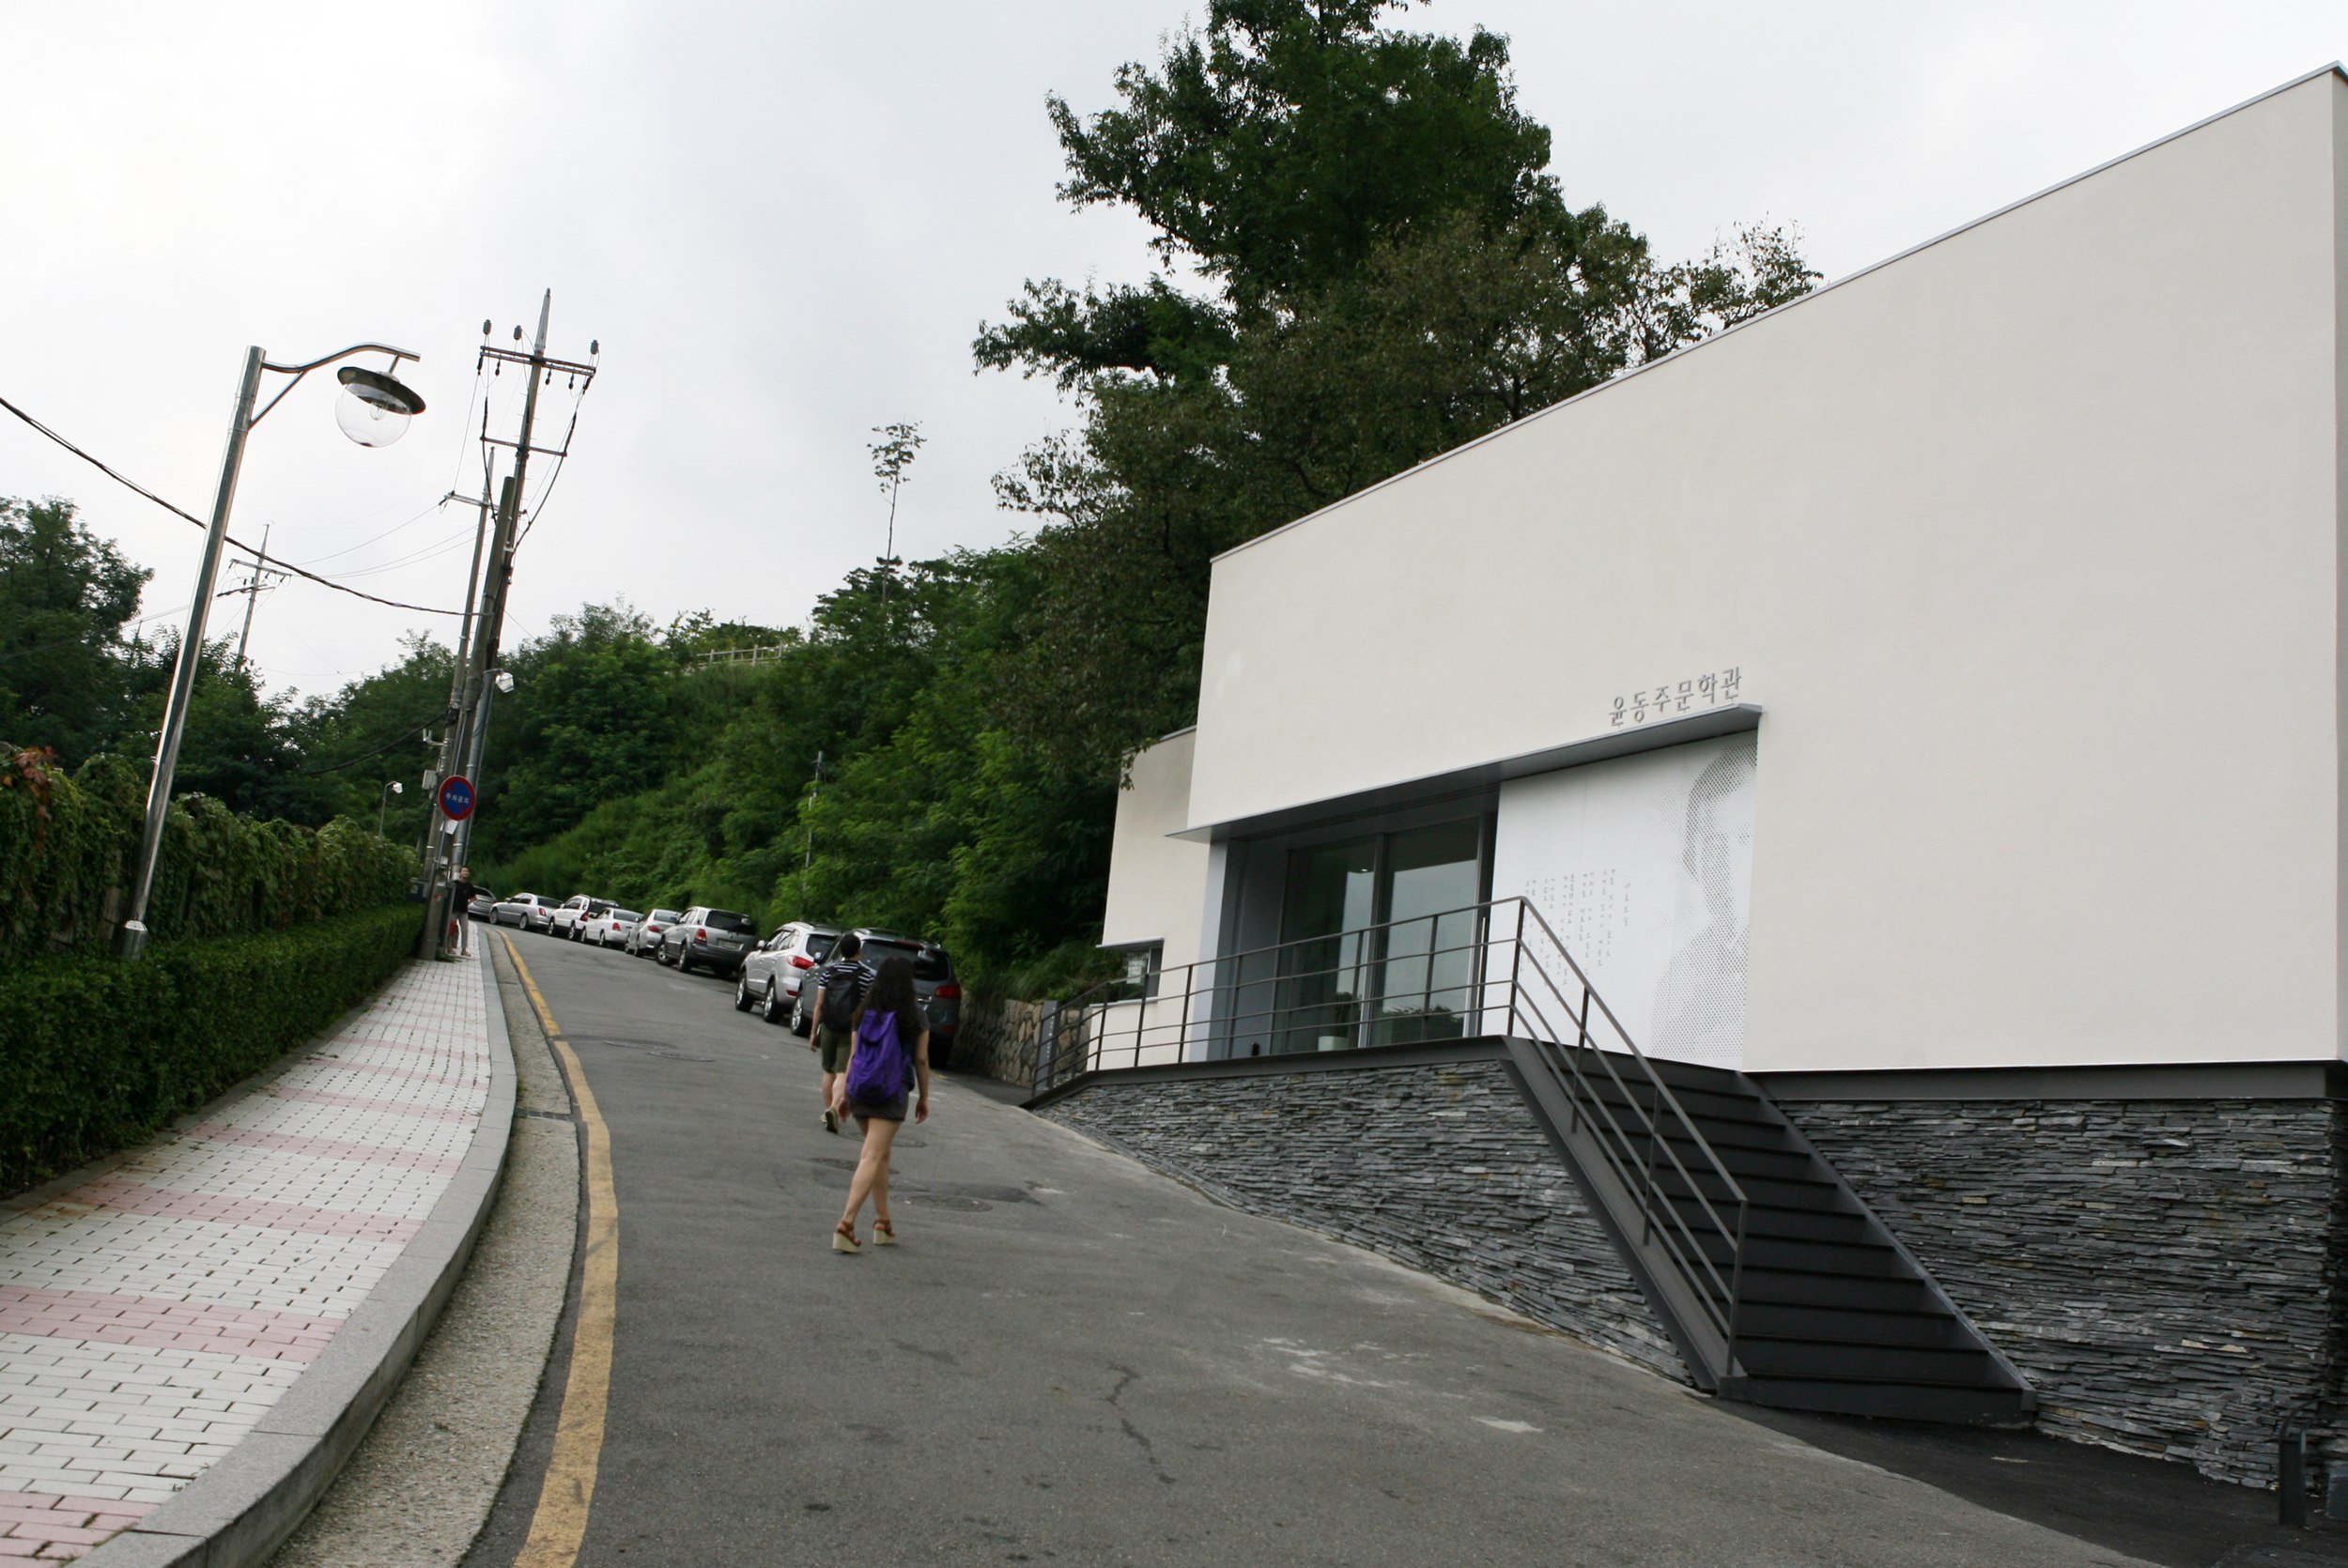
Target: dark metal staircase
x=1821 y=1308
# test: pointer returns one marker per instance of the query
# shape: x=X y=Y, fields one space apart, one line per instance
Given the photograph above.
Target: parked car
x=484 y=905
x=933 y=986
x=643 y=941
x=568 y=917
x=712 y=939
x=609 y=929
x=772 y=973
x=516 y=911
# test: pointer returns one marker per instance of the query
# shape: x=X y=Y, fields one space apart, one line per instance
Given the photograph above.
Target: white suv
x=576 y=911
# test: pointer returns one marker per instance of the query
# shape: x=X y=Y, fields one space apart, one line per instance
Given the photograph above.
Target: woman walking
x=887 y=1057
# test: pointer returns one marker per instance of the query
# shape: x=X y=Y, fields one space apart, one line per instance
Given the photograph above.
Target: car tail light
x=949 y=993
x=700 y=935
x=801 y=960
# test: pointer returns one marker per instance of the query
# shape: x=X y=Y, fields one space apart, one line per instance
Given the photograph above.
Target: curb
x=243 y=1509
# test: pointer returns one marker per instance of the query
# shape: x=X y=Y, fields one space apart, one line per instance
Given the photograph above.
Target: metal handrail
x=1639 y=1131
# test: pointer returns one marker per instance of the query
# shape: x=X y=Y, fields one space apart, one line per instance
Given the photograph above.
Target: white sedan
x=611 y=928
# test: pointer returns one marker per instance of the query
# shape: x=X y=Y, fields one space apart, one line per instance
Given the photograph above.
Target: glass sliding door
x=1428 y=969
x=1331 y=901
x=1379 y=936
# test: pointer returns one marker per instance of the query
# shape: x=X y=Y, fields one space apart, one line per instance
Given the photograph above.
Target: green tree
x=65 y=596
x=1389 y=270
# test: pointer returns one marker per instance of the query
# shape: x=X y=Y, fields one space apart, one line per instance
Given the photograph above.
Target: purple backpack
x=882 y=1068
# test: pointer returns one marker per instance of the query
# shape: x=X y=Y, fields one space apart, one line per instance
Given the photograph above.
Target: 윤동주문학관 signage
x=1696 y=692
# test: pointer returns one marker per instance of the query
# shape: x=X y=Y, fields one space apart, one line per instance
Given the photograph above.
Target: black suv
x=716 y=940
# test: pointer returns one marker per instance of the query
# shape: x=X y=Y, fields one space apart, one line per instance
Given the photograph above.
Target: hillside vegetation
x=1360 y=258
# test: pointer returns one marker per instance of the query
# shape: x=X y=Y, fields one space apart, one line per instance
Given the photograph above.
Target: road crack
x=1127 y=1377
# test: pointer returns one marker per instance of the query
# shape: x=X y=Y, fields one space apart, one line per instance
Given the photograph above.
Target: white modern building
x=1925 y=702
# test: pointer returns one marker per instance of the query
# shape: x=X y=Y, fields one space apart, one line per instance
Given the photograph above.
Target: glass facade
x=1383 y=938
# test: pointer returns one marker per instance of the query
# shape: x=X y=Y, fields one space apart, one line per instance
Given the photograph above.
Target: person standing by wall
x=460 y=897
x=888 y=1060
x=839 y=988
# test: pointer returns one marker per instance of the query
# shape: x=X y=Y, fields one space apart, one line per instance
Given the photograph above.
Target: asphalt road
x=1073 y=1358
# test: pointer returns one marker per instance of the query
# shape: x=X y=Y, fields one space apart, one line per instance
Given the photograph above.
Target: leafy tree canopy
x=65 y=596
x=1384 y=270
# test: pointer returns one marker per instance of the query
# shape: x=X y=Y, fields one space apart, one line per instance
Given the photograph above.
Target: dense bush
x=69 y=850
x=96 y=1054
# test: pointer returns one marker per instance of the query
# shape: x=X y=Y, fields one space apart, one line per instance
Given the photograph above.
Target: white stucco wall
x=2028 y=542
x=1158 y=884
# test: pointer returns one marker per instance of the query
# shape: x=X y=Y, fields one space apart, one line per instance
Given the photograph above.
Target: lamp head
x=505 y=681
x=375 y=408
x=397 y=788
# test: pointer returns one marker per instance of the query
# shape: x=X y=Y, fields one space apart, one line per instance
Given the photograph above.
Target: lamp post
x=384 y=803
x=375 y=413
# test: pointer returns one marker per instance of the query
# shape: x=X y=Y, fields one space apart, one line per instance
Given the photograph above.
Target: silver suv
x=705 y=938
x=775 y=969
x=933 y=986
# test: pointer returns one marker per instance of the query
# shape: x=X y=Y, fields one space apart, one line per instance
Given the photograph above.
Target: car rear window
x=626 y=914
x=726 y=921
x=930 y=964
x=661 y=915
x=818 y=946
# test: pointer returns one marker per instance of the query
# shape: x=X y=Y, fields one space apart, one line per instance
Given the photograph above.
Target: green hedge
x=69 y=850
x=95 y=1055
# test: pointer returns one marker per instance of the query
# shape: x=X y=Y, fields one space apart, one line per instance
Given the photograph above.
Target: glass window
x=726 y=921
x=1331 y=898
x=1380 y=935
x=1433 y=875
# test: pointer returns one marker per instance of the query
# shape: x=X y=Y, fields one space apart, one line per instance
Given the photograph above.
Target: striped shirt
x=845 y=978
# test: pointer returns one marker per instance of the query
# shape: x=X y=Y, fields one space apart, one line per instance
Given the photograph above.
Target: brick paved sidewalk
x=150 y=1316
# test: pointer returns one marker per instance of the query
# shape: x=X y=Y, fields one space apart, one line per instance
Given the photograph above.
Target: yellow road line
x=560 y=1524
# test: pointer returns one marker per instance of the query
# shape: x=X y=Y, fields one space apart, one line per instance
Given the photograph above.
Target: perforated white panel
x=1643 y=866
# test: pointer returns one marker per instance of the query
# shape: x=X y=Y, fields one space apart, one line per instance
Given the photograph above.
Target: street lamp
x=384 y=406
x=391 y=787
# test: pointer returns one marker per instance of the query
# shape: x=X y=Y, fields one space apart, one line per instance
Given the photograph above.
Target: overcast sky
x=785 y=222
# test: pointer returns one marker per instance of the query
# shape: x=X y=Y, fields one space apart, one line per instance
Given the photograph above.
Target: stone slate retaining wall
x=1440 y=1167
x=2167 y=1274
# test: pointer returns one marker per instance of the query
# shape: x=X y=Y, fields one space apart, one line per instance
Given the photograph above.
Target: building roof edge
x=2336 y=68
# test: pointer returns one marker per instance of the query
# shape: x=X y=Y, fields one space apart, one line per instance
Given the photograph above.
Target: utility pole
x=469 y=728
x=263 y=579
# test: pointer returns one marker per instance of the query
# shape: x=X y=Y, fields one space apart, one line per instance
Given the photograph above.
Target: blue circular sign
x=456 y=797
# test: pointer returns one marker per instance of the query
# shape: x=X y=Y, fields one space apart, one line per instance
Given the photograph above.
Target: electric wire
x=579 y=398
x=385 y=534
x=262 y=556
x=401 y=739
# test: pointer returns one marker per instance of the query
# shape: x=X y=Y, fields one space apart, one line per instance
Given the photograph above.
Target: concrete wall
x=1158 y=884
x=2028 y=542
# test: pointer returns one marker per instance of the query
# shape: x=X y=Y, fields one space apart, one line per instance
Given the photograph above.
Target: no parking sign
x=456 y=797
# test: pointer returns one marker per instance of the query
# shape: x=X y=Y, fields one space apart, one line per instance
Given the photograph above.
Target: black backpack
x=840 y=998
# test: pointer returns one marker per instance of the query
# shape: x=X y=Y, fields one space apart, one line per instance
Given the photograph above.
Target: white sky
x=786 y=221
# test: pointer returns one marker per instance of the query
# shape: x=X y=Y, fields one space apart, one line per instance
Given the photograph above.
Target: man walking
x=839 y=988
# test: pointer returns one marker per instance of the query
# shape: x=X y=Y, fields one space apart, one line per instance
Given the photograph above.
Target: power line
x=259 y=555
